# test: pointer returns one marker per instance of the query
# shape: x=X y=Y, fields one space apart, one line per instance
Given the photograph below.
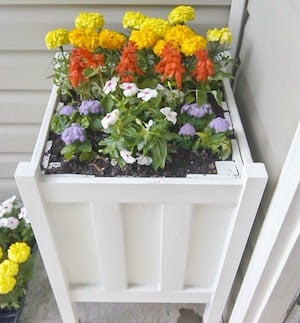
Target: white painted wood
x=238 y=231
x=209 y=226
x=36 y=205
x=9 y=161
x=27 y=107
x=140 y=295
x=175 y=233
x=18 y=138
x=108 y=228
x=121 y=2
x=77 y=242
x=133 y=225
x=275 y=243
x=236 y=20
x=142 y=240
x=33 y=66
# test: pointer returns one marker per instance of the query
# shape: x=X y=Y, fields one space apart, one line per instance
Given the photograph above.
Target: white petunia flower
x=126 y=155
x=3 y=222
x=147 y=94
x=23 y=215
x=12 y=223
x=129 y=89
x=170 y=115
x=111 y=85
x=110 y=119
x=7 y=206
x=144 y=160
x=149 y=124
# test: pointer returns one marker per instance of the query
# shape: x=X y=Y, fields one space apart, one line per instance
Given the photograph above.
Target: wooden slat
x=142 y=223
x=8 y=188
x=84 y=188
x=108 y=2
x=8 y=163
x=76 y=240
x=18 y=138
x=140 y=295
x=25 y=71
x=175 y=234
x=23 y=106
x=108 y=229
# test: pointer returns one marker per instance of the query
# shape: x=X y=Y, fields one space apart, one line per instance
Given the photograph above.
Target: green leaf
x=108 y=103
x=85 y=122
x=85 y=156
x=90 y=72
x=85 y=147
x=201 y=96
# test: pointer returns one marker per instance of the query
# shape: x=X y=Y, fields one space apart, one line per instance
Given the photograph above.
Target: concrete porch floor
x=40 y=307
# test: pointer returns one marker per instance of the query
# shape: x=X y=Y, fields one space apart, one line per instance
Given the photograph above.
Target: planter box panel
x=209 y=231
x=142 y=243
x=202 y=189
x=76 y=242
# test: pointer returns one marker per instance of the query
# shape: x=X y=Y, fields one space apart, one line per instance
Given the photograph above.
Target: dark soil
x=183 y=162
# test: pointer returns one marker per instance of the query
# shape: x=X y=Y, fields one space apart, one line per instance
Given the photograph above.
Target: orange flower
x=171 y=65
x=204 y=67
x=80 y=59
x=128 y=63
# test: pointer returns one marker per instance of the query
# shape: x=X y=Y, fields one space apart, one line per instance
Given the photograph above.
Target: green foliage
x=15 y=227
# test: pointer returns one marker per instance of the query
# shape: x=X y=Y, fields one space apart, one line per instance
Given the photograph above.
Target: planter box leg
x=27 y=184
x=255 y=180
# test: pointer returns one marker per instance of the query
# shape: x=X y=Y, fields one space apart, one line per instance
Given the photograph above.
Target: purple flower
x=72 y=134
x=220 y=124
x=67 y=110
x=194 y=110
x=187 y=130
x=90 y=106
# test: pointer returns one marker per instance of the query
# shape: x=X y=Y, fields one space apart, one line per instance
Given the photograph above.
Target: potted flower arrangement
x=116 y=175
x=16 y=241
x=145 y=98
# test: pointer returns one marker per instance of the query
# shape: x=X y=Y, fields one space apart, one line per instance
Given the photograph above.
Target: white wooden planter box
x=143 y=239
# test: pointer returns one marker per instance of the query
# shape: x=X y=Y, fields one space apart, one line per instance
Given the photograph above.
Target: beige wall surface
x=268 y=82
x=25 y=63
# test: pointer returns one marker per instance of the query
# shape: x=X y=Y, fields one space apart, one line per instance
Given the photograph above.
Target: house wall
x=268 y=96
x=25 y=62
x=267 y=84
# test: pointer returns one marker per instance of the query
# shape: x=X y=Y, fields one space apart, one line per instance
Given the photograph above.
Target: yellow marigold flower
x=7 y=284
x=159 y=47
x=145 y=38
x=110 y=39
x=178 y=34
x=57 y=38
x=191 y=45
x=89 y=20
x=160 y=26
x=9 y=268
x=133 y=19
x=226 y=36
x=213 y=34
x=181 y=14
x=85 y=38
x=1 y=252
x=19 y=252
